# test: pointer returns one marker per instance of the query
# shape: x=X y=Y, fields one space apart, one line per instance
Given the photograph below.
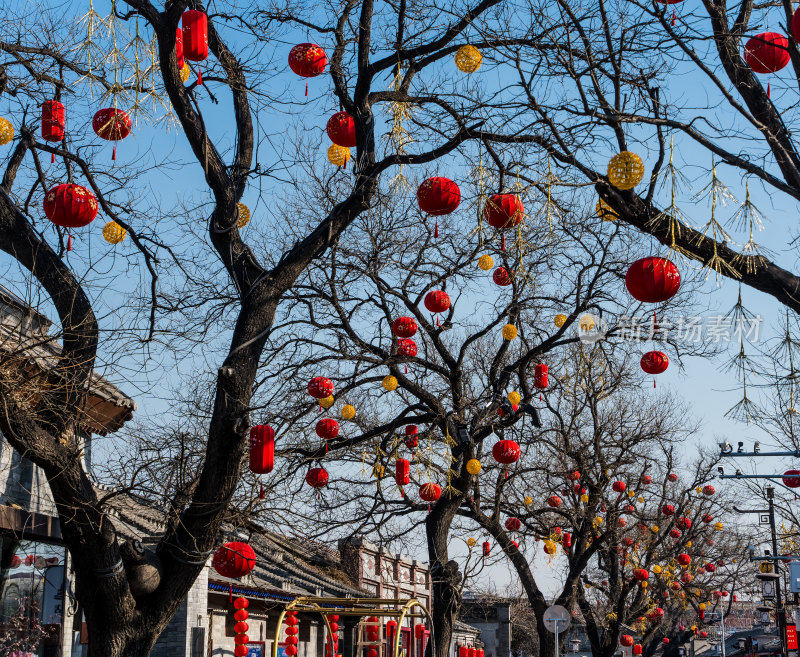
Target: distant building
x=492 y=617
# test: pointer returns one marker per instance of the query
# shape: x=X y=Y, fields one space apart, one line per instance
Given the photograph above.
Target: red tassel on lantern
x=436 y=229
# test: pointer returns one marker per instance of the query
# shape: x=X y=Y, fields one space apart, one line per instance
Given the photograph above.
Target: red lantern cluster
x=319 y=387
x=234 y=560
x=262 y=449
x=767 y=52
x=513 y=524
x=438 y=196
x=70 y=206
x=240 y=638
x=333 y=624
x=404 y=327
x=501 y=277
x=373 y=636
x=292 y=631
x=341 y=129
x=317 y=477
x=652 y=280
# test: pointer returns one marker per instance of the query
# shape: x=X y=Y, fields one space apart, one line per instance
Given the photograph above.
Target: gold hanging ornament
x=486 y=262
x=474 y=466
x=550 y=547
x=605 y=211
x=625 y=170
x=338 y=155
x=509 y=332
x=185 y=72
x=514 y=397
x=527 y=501
x=326 y=402
x=6 y=132
x=348 y=412
x=113 y=233
x=559 y=320
x=389 y=383
x=243 y=216
x=468 y=59
x=586 y=322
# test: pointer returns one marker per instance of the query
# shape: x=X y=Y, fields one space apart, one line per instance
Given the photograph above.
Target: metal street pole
x=556 y=633
x=722 y=624
x=780 y=612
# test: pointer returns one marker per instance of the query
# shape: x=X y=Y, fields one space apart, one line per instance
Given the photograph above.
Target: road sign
x=556 y=619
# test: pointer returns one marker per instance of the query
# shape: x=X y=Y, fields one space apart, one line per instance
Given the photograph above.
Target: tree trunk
x=121 y=642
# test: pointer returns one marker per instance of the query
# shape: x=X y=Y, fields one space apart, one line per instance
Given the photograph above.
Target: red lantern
x=404 y=327
x=234 y=560
x=637 y=649
x=652 y=280
x=438 y=196
x=430 y=492
x=419 y=630
x=654 y=362
x=675 y=586
x=501 y=277
x=792 y=478
x=513 y=524
x=683 y=559
x=707 y=518
x=621 y=522
x=53 y=120
x=241 y=603
x=308 y=60
x=242 y=651
x=487 y=547
x=628 y=508
x=406 y=347
x=686 y=578
x=319 y=387
x=675 y=533
x=710 y=567
x=709 y=490
x=472 y=652
x=463 y=651
x=566 y=540
x=640 y=574
x=437 y=301
x=317 y=477
x=402 y=468
x=618 y=486
x=667 y=509
x=540 y=377
x=195 y=38
x=262 y=449
x=503 y=211
x=665 y=641
x=626 y=640
x=327 y=428
x=241 y=627
x=411 y=436
x=574 y=476
x=684 y=523
x=111 y=124
x=70 y=206
x=767 y=52
x=672 y=477
x=506 y=451
x=644 y=480
x=342 y=129
x=16 y=562
x=554 y=501
x=179 y=47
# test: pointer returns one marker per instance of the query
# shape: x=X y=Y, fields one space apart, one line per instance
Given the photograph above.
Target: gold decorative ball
x=549 y=547
x=655 y=529
x=113 y=233
x=378 y=471
x=390 y=383
x=185 y=72
x=625 y=170
x=509 y=332
x=586 y=322
x=348 y=412
x=486 y=262
x=718 y=526
x=559 y=320
x=527 y=501
x=326 y=402
x=584 y=498
x=688 y=544
x=471 y=542
x=640 y=500
x=514 y=397
x=644 y=585
x=468 y=59
x=598 y=520
x=657 y=569
x=605 y=211
x=243 y=216
x=631 y=493
x=474 y=466
x=338 y=155
x=6 y=131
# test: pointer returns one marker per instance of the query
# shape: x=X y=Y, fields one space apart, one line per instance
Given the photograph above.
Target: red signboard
x=791 y=637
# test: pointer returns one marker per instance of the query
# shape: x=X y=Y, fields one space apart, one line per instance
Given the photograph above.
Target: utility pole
x=780 y=611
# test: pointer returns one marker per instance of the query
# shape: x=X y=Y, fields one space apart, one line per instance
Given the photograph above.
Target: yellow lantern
x=693 y=628
x=6 y=131
x=657 y=569
x=473 y=466
x=631 y=493
x=338 y=155
x=378 y=471
x=348 y=412
x=471 y=542
x=389 y=383
x=509 y=332
x=598 y=520
x=625 y=170
x=586 y=322
x=468 y=59
x=640 y=500
x=549 y=547
x=185 y=72
x=514 y=397
x=243 y=217
x=655 y=529
x=584 y=498
x=326 y=402
x=559 y=320
x=644 y=585
x=605 y=211
x=718 y=526
x=698 y=490
x=486 y=262
x=688 y=544
x=113 y=233
x=528 y=501
x=702 y=605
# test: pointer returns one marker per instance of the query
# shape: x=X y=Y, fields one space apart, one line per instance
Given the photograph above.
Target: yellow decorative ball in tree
x=688 y=544
x=486 y=262
x=702 y=605
x=698 y=490
x=605 y=211
x=549 y=547
x=657 y=569
x=468 y=59
x=644 y=585
x=559 y=320
x=6 y=132
x=509 y=332
x=640 y=500
x=242 y=216
x=625 y=170
x=113 y=233
x=473 y=466
x=338 y=155
x=586 y=322
x=655 y=529
x=584 y=498
x=389 y=383
x=471 y=542
x=527 y=501
x=185 y=72
x=514 y=397
x=718 y=526
x=326 y=402
x=348 y=412
x=378 y=471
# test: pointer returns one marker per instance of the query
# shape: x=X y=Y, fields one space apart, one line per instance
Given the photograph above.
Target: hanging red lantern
x=640 y=574
x=341 y=129
x=654 y=362
x=667 y=509
x=487 y=547
x=684 y=523
x=707 y=518
x=574 y=476
x=319 y=387
x=317 y=477
x=419 y=630
x=665 y=641
x=767 y=52
x=628 y=508
x=618 y=486
x=437 y=301
x=626 y=640
x=709 y=490
x=621 y=522
x=402 y=470
x=710 y=567
x=404 y=327
x=501 y=277
x=503 y=211
x=234 y=560
x=411 y=440
x=506 y=451
x=327 y=428
x=406 y=347
x=70 y=206
x=645 y=480
x=675 y=533
x=430 y=492
x=195 y=38
x=554 y=501
x=179 y=48
x=438 y=196
x=792 y=478
x=262 y=449
x=652 y=280
x=112 y=124
x=672 y=477
x=683 y=559
x=463 y=651
x=637 y=649
x=513 y=524
x=53 y=120
x=308 y=60
x=540 y=377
